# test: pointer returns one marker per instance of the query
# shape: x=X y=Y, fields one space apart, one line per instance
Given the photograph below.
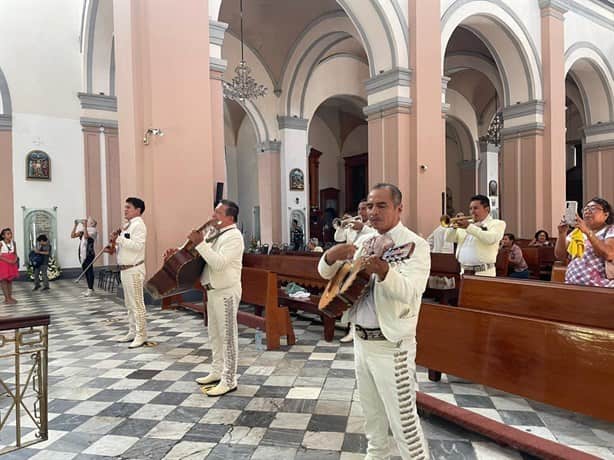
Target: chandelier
x=493 y=136
x=243 y=86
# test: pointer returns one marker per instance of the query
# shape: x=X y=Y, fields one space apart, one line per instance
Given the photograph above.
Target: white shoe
x=137 y=342
x=220 y=389
x=129 y=337
x=88 y=293
x=348 y=338
x=207 y=379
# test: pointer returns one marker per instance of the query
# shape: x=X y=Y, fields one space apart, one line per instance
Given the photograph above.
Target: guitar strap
x=215 y=237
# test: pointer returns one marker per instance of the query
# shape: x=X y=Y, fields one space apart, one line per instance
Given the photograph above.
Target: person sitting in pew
x=590 y=247
x=518 y=267
x=314 y=245
x=541 y=239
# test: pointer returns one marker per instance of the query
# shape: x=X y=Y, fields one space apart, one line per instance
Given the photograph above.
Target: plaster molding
x=6 y=122
x=269 y=146
x=217 y=64
x=98 y=123
x=292 y=123
x=523 y=109
x=98 y=102
x=217 y=30
x=389 y=79
x=402 y=104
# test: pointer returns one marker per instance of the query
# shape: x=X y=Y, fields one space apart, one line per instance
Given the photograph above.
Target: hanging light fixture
x=243 y=86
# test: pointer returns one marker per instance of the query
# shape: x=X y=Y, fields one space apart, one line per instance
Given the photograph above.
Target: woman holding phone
x=596 y=225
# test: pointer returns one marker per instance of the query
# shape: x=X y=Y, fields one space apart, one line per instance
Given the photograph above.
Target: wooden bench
x=259 y=288
x=444 y=265
x=545 y=341
x=300 y=270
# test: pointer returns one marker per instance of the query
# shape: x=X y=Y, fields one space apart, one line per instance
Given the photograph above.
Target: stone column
x=553 y=64
x=598 y=162
x=6 y=172
x=293 y=133
x=269 y=192
x=523 y=169
x=427 y=159
x=389 y=139
x=160 y=85
x=217 y=67
x=93 y=178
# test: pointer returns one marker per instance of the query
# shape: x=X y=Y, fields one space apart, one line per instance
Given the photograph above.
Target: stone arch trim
x=98 y=48
x=463 y=131
x=599 y=86
x=7 y=107
x=458 y=61
x=521 y=50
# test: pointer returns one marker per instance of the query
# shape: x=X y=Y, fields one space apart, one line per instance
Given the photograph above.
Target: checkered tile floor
x=106 y=401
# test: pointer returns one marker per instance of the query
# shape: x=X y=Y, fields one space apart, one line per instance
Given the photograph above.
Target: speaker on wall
x=219 y=192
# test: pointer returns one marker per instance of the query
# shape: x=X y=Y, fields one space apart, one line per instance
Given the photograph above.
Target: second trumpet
x=447 y=221
x=346 y=223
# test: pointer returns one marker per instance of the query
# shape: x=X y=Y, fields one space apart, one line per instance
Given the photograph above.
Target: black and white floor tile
x=107 y=401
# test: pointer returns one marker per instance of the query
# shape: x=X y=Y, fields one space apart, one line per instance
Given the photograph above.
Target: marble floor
x=107 y=401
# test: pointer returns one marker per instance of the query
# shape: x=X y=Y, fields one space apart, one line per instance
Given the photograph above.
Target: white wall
x=247 y=177
x=321 y=138
x=61 y=139
x=357 y=142
x=40 y=57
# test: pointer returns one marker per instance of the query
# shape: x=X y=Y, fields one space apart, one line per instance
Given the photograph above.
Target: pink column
x=522 y=205
x=93 y=183
x=114 y=198
x=598 y=166
x=269 y=191
x=553 y=64
x=6 y=178
x=162 y=53
x=427 y=161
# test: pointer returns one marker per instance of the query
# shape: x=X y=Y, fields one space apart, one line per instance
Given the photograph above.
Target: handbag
x=36 y=260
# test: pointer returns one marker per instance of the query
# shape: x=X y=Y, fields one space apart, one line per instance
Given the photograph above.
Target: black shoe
x=36 y=288
x=46 y=288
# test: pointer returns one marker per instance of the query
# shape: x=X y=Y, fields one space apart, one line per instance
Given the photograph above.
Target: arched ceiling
x=342 y=115
x=463 y=40
x=271 y=27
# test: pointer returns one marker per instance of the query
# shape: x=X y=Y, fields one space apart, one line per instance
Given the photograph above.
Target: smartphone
x=571 y=211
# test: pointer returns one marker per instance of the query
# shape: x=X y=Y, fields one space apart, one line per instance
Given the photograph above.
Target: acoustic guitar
x=350 y=284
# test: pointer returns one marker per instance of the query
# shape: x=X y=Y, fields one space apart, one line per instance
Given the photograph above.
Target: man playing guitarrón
x=222 y=280
x=385 y=322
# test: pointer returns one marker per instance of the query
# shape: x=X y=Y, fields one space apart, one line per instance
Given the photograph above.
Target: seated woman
x=589 y=247
x=518 y=267
x=541 y=239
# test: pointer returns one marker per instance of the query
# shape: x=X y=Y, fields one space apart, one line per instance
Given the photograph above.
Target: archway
x=6 y=152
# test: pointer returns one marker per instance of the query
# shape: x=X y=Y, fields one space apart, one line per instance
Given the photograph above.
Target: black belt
x=208 y=287
x=366 y=333
x=126 y=267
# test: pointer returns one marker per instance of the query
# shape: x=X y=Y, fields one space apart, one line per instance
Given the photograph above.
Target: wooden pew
x=301 y=270
x=259 y=288
x=550 y=342
x=447 y=266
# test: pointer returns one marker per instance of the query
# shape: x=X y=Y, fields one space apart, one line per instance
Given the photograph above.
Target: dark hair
x=510 y=236
x=42 y=238
x=4 y=230
x=395 y=193
x=541 y=231
x=232 y=209
x=606 y=208
x=137 y=203
x=483 y=199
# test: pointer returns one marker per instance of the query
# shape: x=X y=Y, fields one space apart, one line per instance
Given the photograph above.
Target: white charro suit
x=385 y=369
x=478 y=244
x=222 y=279
x=131 y=251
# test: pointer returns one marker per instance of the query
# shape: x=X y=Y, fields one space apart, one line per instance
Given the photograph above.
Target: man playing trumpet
x=348 y=229
x=221 y=278
x=477 y=237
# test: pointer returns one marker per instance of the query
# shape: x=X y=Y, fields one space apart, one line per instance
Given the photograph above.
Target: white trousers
x=222 y=308
x=385 y=375
x=132 y=284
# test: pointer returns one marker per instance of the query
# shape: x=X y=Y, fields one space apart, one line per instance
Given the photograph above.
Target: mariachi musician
x=130 y=246
x=385 y=322
x=221 y=278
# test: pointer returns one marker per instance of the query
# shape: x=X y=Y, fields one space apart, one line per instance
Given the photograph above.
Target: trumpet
x=346 y=223
x=447 y=221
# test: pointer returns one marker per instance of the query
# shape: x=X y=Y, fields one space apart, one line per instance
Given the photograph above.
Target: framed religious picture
x=492 y=188
x=297 y=179
x=38 y=165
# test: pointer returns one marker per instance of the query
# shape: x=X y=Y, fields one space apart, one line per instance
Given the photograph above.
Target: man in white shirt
x=437 y=241
x=222 y=279
x=130 y=243
x=385 y=323
x=478 y=242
